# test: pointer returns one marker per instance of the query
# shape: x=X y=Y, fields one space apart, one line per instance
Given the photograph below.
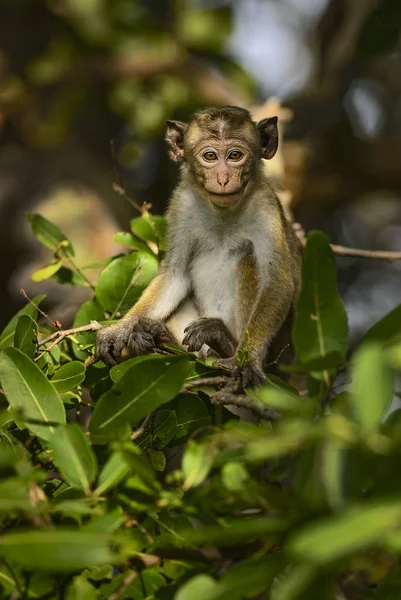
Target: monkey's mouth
x=224 y=200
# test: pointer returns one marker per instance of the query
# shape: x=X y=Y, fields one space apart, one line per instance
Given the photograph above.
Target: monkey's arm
x=142 y=327
x=263 y=316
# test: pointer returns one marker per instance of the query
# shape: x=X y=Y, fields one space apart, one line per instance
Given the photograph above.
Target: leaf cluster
x=130 y=482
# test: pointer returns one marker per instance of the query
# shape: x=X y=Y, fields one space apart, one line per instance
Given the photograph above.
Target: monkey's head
x=222 y=148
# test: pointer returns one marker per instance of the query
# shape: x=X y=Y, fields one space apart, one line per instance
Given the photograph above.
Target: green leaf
x=294 y=582
x=67 y=276
x=119 y=370
x=108 y=523
x=81 y=589
x=47 y=271
x=113 y=472
x=197 y=463
x=372 y=387
x=356 y=529
x=320 y=326
x=191 y=414
x=237 y=531
x=14 y=495
x=27 y=388
x=148 y=267
x=164 y=427
x=127 y=239
x=199 y=587
x=385 y=330
x=143 y=228
x=74 y=456
x=7 y=335
x=157 y=459
x=57 y=549
x=26 y=334
x=144 y=387
x=114 y=282
x=248 y=579
x=49 y=234
x=234 y=476
x=68 y=376
x=278 y=396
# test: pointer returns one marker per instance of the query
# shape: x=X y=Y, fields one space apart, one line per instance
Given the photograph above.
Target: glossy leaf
x=49 y=234
x=26 y=334
x=27 y=388
x=191 y=414
x=320 y=326
x=197 y=463
x=115 y=281
x=68 y=376
x=197 y=588
x=144 y=387
x=385 y=329
x=372 y=386
x=114 y=471
x=47 y=271
x=7 y=335
x=74 y=456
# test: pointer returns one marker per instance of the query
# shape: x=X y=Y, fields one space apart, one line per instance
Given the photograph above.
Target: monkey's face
x=222 y=148
x=222 y=168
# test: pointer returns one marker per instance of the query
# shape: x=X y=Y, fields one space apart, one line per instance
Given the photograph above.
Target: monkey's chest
x=215 y=279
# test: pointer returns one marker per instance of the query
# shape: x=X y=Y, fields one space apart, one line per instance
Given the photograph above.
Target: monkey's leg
x=143 y=327
x=210 y=331
x=262 y=317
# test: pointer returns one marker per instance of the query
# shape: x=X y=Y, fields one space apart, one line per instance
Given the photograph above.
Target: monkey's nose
x=222 y=178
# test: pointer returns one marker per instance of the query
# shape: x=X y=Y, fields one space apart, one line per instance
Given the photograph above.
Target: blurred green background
x=86 y=85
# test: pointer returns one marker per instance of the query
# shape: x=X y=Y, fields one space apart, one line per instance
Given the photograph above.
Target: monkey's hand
x=213 y=333
x=140 y=335
x=250 y=374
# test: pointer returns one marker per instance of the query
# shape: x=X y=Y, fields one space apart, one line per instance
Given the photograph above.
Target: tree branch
x=356 y=252
x=141 y=430
x=58 y=336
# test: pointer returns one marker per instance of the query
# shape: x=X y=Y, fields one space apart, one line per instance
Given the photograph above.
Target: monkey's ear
x=268 y=132
x=175 y=139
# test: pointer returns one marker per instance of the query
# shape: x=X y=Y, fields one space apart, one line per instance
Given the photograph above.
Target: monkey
x=230 y=277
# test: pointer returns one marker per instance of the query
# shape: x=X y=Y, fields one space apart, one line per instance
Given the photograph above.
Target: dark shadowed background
x=86 y=85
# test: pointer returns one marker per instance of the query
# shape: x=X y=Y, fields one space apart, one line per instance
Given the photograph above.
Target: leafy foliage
x=307 y=507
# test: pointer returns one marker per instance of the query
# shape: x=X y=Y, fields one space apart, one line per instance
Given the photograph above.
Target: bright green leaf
x=49 y=234
x=320 y=326
x=388 y=328
x=372 y=387
x=144 y=387
x=74 y=456
x=26 y=335
x=68 y=376
x=197 y=463
x=113 y=472
x=199 y=587
x=115 y=281
x=47 y=271
x=27 y=388
x=7 y=335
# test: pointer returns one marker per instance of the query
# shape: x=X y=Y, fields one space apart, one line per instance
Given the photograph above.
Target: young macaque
x=231 y=272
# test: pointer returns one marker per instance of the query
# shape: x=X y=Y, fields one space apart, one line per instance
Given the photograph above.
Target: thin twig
x=355 y=252
x=128 y=579
x=208 y=381
x=141 y=430
x=55 y=324
x=58 y=336
x=119 y=189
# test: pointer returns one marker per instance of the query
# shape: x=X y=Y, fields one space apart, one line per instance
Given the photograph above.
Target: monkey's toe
x=141 y=340
x=252 y=376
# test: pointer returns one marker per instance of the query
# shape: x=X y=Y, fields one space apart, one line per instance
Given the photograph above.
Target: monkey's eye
x=209 y=155
x=235 y=155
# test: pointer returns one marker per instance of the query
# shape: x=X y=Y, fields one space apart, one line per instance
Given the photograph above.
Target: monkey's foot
x=213 y=333
x=250 y=375
x=140 y=336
